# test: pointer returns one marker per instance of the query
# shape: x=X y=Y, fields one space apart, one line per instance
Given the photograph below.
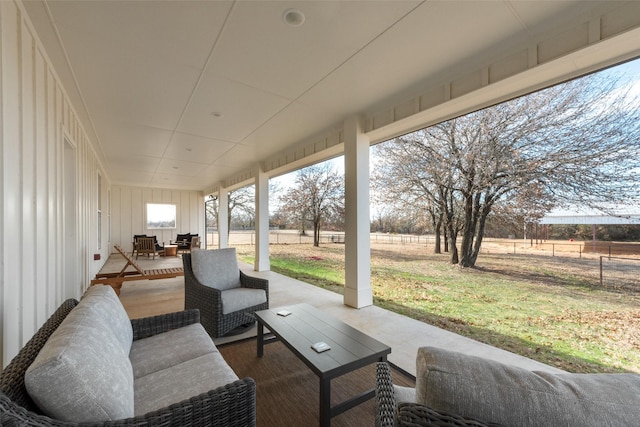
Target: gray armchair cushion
x=216 y=268
x=493 y=392
x=241 y=298
x=82 y=373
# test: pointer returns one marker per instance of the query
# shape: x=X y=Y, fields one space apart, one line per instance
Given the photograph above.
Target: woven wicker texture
x=414 y=415
x=231 y=405
x=385 y=396
x=209 y=301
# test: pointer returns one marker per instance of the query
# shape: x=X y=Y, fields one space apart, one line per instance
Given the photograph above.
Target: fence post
x=601 y=284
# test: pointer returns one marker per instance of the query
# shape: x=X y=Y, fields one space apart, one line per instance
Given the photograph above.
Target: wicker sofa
x=456 y=389
x=177 y=375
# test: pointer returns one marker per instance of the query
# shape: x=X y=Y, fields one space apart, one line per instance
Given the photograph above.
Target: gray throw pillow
x=490 y=391
x=107 y=305
x=216 y=268
x=82 y=373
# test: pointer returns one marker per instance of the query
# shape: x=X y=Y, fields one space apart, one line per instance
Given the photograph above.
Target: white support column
x=357 y=292
x=262 y=221
x=223 y=218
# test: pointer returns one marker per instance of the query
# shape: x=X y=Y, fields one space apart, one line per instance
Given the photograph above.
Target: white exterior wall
x=36 y=120
x=128 y=212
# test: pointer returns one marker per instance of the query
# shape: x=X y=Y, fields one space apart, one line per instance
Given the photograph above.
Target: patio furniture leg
x=325 y=402
x=260 y=339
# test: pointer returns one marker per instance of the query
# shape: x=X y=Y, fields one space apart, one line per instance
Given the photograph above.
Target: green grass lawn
x=528 y=306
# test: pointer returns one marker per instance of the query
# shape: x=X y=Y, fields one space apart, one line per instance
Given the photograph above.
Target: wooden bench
x=116 y=280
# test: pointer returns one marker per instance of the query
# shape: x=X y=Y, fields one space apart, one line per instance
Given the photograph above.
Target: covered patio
x=404 y=335
x=108 y=106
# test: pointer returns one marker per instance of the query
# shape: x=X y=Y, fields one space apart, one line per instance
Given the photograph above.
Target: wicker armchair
x=231 y=405
x=209 y=300
x=390 y=413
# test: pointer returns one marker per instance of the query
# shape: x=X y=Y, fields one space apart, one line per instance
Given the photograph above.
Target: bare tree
x=240 y=201
x=242 y=205
x=406 y=179
x=578 y=143
x=317 y=196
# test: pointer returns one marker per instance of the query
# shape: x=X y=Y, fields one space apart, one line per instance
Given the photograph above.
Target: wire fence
x=620 y=273
x=289 y=237
x=617 y=264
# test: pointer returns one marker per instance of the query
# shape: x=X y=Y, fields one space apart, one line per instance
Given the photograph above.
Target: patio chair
x=135 y=242
x=183 y=241
x=146 y=246
x=226 y=297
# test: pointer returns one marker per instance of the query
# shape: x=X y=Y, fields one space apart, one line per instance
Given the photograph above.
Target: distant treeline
x=614 y=233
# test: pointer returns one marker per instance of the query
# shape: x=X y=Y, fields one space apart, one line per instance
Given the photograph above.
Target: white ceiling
x=148 y=77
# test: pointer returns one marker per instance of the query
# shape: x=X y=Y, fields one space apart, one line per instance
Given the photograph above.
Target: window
x=161 y=215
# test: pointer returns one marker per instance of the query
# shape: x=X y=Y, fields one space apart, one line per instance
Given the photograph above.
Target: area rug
x=288 y=391
x=241 y=333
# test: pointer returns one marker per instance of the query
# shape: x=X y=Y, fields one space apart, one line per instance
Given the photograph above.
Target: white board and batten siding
x=38 y=267
x=129 y=206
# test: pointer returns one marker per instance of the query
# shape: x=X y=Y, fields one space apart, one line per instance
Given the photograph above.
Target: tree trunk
x=471 y=205
x=436 y=223
x=480 y=233
x=467 y=236
x=453 y=234
x=316 y=233
x=303 y=228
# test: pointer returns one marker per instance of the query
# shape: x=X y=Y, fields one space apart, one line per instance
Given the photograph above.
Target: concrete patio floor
x=404 y=335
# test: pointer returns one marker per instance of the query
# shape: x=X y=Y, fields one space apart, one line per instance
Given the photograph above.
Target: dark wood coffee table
x=350 y=349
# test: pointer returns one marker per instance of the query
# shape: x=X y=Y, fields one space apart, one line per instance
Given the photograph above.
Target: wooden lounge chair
x=116 y=280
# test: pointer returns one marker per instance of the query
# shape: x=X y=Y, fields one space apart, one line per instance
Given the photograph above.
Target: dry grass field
x=549 y=308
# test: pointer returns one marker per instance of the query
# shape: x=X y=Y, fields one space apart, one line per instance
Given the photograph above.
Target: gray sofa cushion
x=183 y=381
x=82 y=373
x=493 y=392
x=216 y=268
x=241 y=298
x=107 y=305
x=404 y=394
x=171 y=348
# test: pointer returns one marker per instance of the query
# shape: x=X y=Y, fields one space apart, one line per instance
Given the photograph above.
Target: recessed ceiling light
x=293 y=17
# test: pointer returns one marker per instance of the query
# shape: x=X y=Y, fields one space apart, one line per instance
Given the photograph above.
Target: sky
x=632 y=69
